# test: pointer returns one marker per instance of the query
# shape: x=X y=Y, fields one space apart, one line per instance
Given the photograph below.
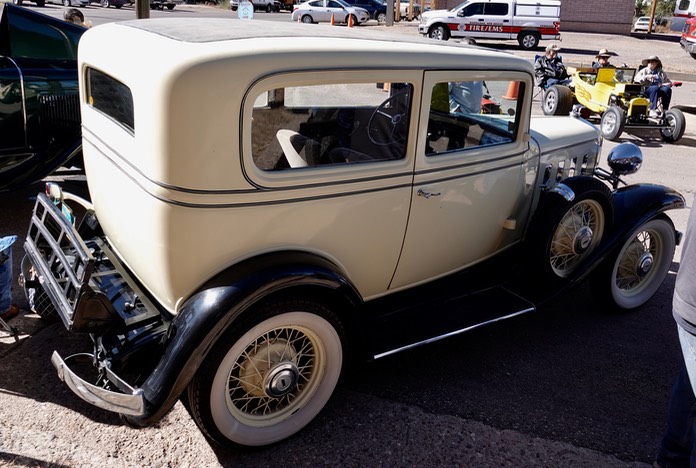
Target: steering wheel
x=388 y=124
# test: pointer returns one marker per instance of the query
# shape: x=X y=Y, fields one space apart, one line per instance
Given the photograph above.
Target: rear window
x=111 y=97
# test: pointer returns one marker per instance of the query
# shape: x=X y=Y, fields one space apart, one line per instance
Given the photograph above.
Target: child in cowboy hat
x=655 y=83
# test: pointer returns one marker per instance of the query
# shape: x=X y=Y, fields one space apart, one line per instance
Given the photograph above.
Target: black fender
x=205 y=316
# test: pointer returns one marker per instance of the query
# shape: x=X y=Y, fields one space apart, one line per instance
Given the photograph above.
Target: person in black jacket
x=549 y=68
x=602 y=59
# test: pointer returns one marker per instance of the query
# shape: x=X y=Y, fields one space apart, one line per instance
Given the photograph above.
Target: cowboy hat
x=551 y=47
x=603 y=53
x=652 y=58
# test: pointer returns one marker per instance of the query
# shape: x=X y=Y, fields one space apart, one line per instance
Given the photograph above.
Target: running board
x=434 y=321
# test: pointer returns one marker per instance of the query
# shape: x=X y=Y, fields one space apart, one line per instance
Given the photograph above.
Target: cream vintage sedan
x=263 y=201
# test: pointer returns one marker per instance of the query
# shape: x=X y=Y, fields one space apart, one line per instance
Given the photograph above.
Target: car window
x=334 y=4
x=472 y=114
x=496 y=9
x=317 y=3
x=473 y=9
x=111 y=97
x=331 y=124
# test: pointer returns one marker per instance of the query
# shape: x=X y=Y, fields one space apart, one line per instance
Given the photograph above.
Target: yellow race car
x=611 y=94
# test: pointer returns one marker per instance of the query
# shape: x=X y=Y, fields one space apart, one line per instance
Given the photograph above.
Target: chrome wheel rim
x=609 y=122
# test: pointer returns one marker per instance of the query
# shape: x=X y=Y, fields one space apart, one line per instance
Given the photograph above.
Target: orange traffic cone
x=350 y=21
x=333 y=20
x=512 y=91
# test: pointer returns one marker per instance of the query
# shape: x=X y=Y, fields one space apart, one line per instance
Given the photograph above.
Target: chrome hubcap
x=583 y=239
x=644 y=264
x=281 y=380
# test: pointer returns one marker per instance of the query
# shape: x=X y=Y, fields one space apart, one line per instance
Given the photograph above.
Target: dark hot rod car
x=39 y=108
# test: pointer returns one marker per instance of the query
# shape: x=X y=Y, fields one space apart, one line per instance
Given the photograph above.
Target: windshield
x=616 y=75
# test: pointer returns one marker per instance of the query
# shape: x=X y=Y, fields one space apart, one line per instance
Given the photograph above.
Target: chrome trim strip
x=450 y=334
x=132 y=404
x=24 y=100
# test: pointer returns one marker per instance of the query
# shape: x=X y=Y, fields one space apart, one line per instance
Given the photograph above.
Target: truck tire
x=528 y=39
x=269 y=8
x=439 y=32
x=557 y=100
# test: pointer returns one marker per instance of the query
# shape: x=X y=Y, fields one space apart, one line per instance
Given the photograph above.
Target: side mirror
x=625 y=159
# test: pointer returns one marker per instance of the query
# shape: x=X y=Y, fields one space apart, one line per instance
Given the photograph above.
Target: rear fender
x=205 y=316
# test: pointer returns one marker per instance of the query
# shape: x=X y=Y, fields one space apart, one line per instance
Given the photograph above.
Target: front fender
x=205 y=316
x=636 y=204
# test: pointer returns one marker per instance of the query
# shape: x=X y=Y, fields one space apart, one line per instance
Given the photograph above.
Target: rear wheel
x=629 y=278
x=307 y=19
x=528 y=39
x=439 y=32
x=558 y=100
x=270 y=375
x=677 y=125
x=105 y=3
x=612 y=123
x=66 y=3
x=269 y=8
x=381 y=17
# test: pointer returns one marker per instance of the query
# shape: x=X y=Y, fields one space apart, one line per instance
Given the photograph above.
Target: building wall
x=615 y=17
x=601 y=16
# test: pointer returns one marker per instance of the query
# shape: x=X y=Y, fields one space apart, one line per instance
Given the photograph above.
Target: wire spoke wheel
x=269 y=375
x=575 y=236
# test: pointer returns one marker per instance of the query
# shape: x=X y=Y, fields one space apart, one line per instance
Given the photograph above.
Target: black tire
x=558 y=100
x=117 y=6
x=66 y=3
x=612 y=124
x=528 y=40
x=241 y=395
x=693 y=55
x=170 y=7
x=439 y=32
x=269 y=8
x=307 y=19
x=381 y=17
x=105 y=3
x=628 y=278
x=564 y=233
x=40 y=3
x=354 y=20
x=677 y=126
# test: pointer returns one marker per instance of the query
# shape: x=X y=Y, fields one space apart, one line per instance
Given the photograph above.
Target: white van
x=528 y=21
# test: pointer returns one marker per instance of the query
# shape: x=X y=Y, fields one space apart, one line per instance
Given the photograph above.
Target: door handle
x=424 y=194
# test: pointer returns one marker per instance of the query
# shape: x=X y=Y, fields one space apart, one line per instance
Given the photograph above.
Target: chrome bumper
x=688 y=46
x=131 y=402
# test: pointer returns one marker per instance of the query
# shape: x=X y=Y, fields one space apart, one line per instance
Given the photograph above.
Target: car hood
x=438 y=13
x=555 y=133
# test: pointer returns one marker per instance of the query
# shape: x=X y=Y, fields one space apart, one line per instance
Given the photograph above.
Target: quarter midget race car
x=612 y=96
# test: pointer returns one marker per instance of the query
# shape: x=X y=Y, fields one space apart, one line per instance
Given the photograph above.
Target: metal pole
x=142 y=9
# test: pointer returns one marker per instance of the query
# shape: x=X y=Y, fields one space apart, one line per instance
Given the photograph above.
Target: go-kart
x=611 y=95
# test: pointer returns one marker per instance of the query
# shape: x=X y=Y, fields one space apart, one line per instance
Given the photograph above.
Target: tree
x=664 y=8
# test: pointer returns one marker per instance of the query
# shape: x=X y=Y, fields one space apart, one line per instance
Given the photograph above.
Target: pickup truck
x=238 y=248
x=527 y=21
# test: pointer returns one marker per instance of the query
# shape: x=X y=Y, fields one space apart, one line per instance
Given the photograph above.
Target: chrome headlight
x=626 y=158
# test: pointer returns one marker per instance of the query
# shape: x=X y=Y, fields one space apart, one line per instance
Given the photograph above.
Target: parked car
x=260 y=5
x=528 y=21
x=114 y=3
x=39 y=109
x=376 y=8
x=688 y=37
x=162 y=4
x=642 y=24
x=321 y=11
x=67 y=3
x=403 y=10
x=332 y=206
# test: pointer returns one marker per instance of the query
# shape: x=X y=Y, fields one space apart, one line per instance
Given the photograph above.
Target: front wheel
x=564 y=233
x=612 y=123
x=381 y=18
x=269 y=376
x=439 y=32
x=676 y=122
x=105 y=3
x=628 y=279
